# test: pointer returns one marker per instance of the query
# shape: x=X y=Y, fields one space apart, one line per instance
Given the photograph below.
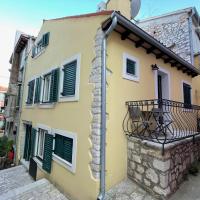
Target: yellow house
x=78 y=78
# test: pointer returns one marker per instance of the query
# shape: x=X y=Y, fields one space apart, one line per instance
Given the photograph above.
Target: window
x=30 y=97
x=40 y=45
x=70 y=79
x=50 y=87
x=130 y=67
x=187 y=95
x=37 y=90
x=47 y=88
x=40 y=146
x=64 y=147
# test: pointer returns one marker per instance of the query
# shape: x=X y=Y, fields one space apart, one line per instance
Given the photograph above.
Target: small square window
x=130 y=67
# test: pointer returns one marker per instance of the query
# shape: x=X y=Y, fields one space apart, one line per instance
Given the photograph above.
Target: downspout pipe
x=191 y=36
x=101 y=195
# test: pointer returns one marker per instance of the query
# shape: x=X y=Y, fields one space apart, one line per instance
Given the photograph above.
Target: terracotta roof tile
x=106 y=12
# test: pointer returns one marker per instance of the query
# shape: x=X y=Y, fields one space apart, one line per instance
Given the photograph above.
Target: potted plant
x=5 y=146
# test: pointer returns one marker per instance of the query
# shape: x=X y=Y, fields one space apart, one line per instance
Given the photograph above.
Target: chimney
x=124 y=6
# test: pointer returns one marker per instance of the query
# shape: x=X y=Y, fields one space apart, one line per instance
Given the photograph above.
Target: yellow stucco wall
x=196 y=82
x=123 y=6
x=68 y=37
x=121 y=90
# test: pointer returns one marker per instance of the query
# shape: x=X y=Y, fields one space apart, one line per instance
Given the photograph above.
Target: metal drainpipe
x=191 y=37
x=103 y=108
x=21 y=103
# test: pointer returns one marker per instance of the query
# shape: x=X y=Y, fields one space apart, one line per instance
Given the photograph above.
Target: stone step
x=13 y=178
x=40 y=190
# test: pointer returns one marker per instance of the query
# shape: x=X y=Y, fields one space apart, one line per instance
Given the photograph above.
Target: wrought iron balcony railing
x=161 y=121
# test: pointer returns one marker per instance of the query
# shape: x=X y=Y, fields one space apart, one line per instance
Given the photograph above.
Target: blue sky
x=27 y=16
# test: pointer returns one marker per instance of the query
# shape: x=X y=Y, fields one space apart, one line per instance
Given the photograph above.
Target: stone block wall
x=172 y=31
x=95 y=79
x=160 y=174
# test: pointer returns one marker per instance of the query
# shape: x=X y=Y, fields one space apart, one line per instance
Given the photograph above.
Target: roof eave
x=152 y=41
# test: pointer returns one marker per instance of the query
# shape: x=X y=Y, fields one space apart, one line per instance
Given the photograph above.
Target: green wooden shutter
x=67 y=149
x=69 y=81
x=48 y=145
x=37 y=90
x=26 y=144
x=54 y=85
x=31 y=86
x=58 y=145
x=45 y=39
x=33 y=137
x=130 y=67
x=33 y=51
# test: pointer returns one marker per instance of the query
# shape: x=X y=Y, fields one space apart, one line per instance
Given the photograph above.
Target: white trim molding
x=127 y=76
x=190 y=84
x=75 y=97
x=70 y=166
x=167 y=84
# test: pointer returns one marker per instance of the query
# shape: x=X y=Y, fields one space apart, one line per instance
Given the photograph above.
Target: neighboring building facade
x=61 y=135
x=3 y=91
x=180 y=32
x=22 y=47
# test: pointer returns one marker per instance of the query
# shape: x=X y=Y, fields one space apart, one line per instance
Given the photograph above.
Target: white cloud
x=7 y=36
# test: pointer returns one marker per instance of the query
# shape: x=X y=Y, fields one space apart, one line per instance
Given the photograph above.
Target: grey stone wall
x=160 y=174
x=172 y=31
x=95 y=79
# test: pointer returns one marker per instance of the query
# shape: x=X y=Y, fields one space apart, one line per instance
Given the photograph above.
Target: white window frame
x=43 y=127
x=70 y=166
x=47 y=104
x=167 y=86
x=127 y=76
x=31 y=105
x=39 y=153
x=190 y=84
x=75 y=97
x=44 y=88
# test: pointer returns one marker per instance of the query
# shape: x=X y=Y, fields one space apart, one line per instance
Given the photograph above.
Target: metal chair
x=140 y=125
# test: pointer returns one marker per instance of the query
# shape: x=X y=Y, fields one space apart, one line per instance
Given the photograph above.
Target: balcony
x=161 y=121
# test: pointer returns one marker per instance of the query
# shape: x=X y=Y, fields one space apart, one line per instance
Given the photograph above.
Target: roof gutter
x=138 y=31
x=101 y=195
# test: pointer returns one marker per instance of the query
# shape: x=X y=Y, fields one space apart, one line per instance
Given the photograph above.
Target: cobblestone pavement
x=128 y=190
x=189 y=189
x=16 y=184
x=13 y=178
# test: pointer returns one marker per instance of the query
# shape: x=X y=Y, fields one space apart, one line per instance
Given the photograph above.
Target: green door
x=27 y=145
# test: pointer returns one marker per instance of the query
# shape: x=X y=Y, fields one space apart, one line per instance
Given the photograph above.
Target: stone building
x=179 y=31
x=22 y=47
x=3 y=91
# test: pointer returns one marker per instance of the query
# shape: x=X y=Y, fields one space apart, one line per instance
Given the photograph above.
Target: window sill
x=46 y=105
x=38 y=161
x=131 y=78
x=63 y=163
x=30 y=106
x=39 y=164
x=40 y=53
x=68 y=99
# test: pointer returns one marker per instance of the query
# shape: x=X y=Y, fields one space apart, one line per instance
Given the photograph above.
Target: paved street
x=128 y=190
x=16 y=184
